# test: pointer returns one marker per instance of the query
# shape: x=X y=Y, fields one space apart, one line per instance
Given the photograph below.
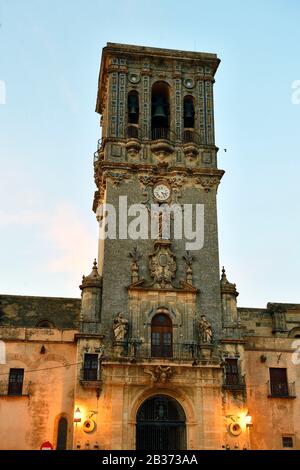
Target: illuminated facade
x=156 y=355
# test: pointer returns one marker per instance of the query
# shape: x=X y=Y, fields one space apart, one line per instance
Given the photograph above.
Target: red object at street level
x=46 y=446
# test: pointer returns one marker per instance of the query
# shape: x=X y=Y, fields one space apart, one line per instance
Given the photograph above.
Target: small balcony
x=191 y=143
x=281 y=389
x=133 y=145
x=90 y=378
x=172 y=352
x=234 y=382
x=190 y=136
x=14 y=389
x=161 y=141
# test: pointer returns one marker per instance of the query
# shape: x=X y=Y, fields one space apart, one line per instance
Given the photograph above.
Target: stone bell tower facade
x=158 y=134
x=152 y=315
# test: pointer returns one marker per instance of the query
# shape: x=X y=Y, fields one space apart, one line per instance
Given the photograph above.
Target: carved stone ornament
x=205 y=331
x=189 y=268
x=208 y=182
x=162 y=264
x=135 y=256
x=146 y=180
x=160 y=373
x=177 y=181
x=116 y=178
x=120 y=327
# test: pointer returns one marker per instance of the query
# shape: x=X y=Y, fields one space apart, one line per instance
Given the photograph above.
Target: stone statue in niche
x=120 y=327
x=205 y=331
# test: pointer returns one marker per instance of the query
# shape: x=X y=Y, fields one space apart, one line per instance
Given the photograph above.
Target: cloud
x=75 y=244
x=68 y=234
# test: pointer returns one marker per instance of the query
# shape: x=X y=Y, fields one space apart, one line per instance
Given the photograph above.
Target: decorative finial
x=93 y=279
x=227 y=286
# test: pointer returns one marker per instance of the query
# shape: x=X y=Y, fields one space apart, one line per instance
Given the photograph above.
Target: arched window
x=133 y=107
x=62 y=432
x=188 y=112
x=161 y=336
x=160 y=110
x=294 y=333
x=45 y=324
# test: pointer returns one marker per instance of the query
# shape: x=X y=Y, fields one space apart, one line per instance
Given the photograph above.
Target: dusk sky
x=49 y=62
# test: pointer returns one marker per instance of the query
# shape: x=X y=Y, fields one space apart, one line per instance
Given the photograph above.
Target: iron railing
x=175 y=352
x=132 y=132
x=160 y=133
x=90 y=375
x=234 y=382
x=15 y=389
x=190 y=136
x=281 y=389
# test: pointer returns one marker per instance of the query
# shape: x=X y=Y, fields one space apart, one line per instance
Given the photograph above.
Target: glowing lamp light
x=77 y=415
x=248 y=420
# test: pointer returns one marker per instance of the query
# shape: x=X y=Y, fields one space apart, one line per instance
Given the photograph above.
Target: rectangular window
x=231 y=372
x=278 y=382
x=155 y=339
x=167 y=339
x=287 y=441
x=90 y=367
x=15 y=382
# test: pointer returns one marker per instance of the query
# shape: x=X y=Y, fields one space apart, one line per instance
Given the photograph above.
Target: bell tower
x=158 y=328
x=158 y=147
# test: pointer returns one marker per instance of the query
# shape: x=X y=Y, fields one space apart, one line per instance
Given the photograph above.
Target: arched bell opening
x=133 y=112
x=160 y=110
x=188 y=112
x=188 y=119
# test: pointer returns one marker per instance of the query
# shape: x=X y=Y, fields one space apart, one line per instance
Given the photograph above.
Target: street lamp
x=248 y=420
x=77 y=415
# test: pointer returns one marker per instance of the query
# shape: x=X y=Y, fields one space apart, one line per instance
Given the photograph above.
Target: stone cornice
x=103 y=165
x=118 y=172
x=186 y=288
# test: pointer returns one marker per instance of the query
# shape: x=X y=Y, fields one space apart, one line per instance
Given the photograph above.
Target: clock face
x=161 y=192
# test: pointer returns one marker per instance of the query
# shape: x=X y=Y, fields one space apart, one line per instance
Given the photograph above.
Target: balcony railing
x=160 y=133
x=281 y=389
x=175 y=352
x=234 y=382
x=132 y=132
x=91 y=379
x=14 y=389
x=191 y=136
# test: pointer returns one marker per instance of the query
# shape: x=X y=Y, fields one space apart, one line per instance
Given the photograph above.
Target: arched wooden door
x=161 y=425
x=161 y=336
x=62 y=432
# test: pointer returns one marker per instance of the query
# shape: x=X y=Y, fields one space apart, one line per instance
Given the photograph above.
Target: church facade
x=155 y=355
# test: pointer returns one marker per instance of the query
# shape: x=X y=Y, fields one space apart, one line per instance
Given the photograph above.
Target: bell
x=159 y=110
x=189 y=110
x=133 y=108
